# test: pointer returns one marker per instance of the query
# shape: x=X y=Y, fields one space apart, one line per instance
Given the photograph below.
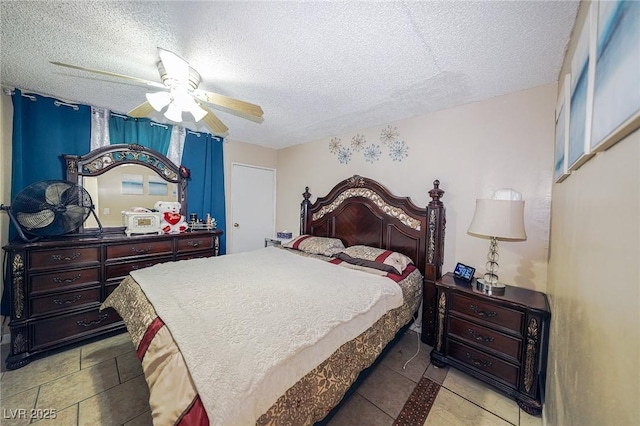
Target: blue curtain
x=203 y=156
x=43 y=129
x=141 y=131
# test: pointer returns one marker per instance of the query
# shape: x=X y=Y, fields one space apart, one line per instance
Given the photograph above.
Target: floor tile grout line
x=372 y=403
x=479 y=406
x=394 y=418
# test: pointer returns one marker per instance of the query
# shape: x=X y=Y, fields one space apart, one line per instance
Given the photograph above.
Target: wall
x=473 y=150
x=6 y=126
x=594 y=287
x=248 y=154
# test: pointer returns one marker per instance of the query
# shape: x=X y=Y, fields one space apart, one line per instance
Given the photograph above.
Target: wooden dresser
x=501 y=340
x=58 y=285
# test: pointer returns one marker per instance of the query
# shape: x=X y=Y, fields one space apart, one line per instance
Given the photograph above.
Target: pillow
x=397 y=261
x=316 y=245
x=365 y=264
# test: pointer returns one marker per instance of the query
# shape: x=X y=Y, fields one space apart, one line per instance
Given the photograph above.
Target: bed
x=279 y=335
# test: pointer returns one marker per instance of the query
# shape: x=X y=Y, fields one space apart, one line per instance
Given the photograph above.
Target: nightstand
x=272 y=242
x=500 y=340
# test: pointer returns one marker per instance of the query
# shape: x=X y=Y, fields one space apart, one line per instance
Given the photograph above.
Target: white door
x=253 y=216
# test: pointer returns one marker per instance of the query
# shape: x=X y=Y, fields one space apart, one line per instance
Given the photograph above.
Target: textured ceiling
x=318 y=69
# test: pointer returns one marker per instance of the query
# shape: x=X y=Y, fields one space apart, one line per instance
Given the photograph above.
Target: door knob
x=236 y=225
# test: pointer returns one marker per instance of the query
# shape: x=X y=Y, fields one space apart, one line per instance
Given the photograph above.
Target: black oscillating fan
x=50 y=208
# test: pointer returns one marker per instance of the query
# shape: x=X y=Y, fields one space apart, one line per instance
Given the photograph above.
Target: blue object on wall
x=203 y=155
x=43 y=129
x=140 y=130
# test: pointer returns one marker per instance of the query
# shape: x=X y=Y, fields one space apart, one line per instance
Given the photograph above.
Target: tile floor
x=101 y=383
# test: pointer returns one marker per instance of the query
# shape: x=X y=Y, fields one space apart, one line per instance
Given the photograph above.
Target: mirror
x=124 y=187
x=120 y=177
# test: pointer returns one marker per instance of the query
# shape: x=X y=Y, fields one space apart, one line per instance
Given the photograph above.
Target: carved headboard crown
x=360 y=210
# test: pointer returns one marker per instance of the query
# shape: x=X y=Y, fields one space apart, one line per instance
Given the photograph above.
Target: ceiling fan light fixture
x=158 y=100
x=197 y=112
x=174 y=113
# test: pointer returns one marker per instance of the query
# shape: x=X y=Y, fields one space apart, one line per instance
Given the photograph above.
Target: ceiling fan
x=180 y=94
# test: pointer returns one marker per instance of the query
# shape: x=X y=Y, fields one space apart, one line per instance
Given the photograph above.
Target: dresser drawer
x=63 y=258
x=63 y=280
x=121 y=270
x=67 y=327
x=186 y=245
x=487 y=364
x=123 y=251
x=482 y=336
x=482 y=310
x=65 y=301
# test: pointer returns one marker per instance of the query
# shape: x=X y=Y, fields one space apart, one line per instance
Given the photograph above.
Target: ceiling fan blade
x=214 y=123
x=111 y=74
x=176 y=67
x=142 y=110
x=230 y=103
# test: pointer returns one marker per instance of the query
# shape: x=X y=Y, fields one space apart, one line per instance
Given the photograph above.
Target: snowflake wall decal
x=398 y=150
x=344 y=155
x=389 y=134
x=334 y=145
x=357 y=142
x=372 y=153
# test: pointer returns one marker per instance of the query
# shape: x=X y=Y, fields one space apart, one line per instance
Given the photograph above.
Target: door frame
x=230 y=241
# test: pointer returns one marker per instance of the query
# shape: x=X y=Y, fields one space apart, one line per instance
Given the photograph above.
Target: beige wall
x=6 y=118
x=247 y=154
x=473 y=150
x=594 y=288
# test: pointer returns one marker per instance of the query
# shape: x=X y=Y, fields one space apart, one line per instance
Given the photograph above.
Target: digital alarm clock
x=464 y=272
x=141 y=223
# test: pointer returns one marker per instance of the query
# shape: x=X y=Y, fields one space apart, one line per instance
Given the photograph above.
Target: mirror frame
x=102 y=159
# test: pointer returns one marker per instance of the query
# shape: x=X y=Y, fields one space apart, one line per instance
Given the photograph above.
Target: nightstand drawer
x=477 y=335
x=493 y=366
x=491 y=313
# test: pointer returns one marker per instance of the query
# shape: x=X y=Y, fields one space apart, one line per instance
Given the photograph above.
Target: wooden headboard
x=359 y=210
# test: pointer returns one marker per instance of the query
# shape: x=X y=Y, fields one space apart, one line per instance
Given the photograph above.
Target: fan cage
x=51 y=208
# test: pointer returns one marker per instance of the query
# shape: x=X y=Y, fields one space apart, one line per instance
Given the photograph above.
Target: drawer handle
x=489 y=314
x=101 y=318
x=480 y=337
x=194 y=243
x=59 y=257
x=69 y=301
x=138 y=251
x=59 y=280
x=477 y=362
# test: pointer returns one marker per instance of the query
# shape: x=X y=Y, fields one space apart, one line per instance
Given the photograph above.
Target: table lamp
x=500 y=218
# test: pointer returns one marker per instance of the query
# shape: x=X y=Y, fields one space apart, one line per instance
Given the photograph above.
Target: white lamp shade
x=197 y=112
x=158 y=100
x=502 y=219
x=174 y=113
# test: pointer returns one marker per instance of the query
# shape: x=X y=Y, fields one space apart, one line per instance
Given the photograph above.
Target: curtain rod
x=60 y=103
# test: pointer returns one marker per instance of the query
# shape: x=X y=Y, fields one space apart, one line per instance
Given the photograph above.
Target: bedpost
x=435 y=254
x=304 y=211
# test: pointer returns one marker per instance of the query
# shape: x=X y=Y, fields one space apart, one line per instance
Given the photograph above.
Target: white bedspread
x=250 y=325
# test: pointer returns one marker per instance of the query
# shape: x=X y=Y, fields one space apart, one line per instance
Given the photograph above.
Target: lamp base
x=495 y=289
